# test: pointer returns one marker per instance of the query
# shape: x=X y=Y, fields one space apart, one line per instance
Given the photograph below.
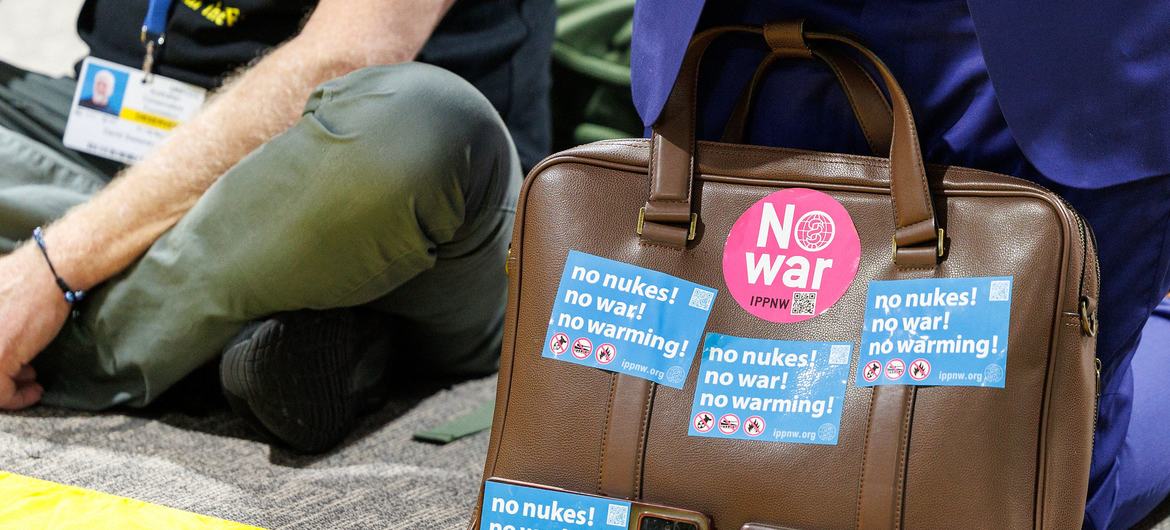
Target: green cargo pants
x=395 y=190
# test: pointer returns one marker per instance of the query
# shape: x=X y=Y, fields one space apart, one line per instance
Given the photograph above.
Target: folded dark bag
x=912 y=457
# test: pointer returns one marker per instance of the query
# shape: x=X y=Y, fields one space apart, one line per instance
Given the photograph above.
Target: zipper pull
x=1088 y=317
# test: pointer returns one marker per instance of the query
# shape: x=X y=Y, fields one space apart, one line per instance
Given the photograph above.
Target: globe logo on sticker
x=827 y=432
x=791 y=255
x=992 y=374
x=674 y=375
x=814 y=231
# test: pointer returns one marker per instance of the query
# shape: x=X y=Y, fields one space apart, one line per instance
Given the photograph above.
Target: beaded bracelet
x=71 y=296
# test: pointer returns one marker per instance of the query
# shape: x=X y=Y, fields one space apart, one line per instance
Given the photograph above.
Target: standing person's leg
x=389 y=167
x=1143 y=475
x=1132 y=224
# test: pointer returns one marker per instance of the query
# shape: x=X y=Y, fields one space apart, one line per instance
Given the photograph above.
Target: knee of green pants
x=456 y=145
x=388 y=164
x=423 y=132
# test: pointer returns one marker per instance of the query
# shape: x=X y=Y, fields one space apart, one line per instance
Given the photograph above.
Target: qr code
x=804 y=304
x=701 y=299
x=619 y=515
x=1001 y=291
x=840 y=353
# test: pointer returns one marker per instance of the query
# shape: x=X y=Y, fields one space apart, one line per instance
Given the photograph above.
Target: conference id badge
x=936 y=331
x=119 y=115
x=627 y=319
x=513 y=505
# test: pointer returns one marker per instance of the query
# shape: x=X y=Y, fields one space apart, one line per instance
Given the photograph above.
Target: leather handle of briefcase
x=869 y=104
x=667 y=219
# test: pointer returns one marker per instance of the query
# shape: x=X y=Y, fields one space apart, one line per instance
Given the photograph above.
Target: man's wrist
x=38 y=266
x=72 y=296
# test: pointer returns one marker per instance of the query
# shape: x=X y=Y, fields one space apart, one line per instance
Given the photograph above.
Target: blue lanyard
x=154 y=31
x=154 y=25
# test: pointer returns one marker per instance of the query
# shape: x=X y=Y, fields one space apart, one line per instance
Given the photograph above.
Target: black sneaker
x=303 y=377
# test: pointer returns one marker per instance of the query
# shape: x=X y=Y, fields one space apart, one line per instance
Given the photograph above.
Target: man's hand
x=32 y=311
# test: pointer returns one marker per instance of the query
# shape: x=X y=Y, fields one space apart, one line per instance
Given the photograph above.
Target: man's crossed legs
x=395 y=191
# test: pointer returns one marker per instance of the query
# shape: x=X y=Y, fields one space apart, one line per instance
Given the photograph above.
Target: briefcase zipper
x=1087 y=314
x=1097 y=368
x=1084 y=311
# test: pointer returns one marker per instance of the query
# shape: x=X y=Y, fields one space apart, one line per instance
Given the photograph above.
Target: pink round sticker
x=791 y=255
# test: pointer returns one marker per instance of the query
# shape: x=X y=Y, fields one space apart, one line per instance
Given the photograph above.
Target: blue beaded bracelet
x=71 y=296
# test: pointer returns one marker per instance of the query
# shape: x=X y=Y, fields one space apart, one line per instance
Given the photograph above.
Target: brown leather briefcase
x=906 y=456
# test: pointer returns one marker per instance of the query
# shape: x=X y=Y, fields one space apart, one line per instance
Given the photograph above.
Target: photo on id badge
x=102 y=89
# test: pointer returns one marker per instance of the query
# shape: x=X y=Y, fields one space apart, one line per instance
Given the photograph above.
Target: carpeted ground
x=189 y=452
x=206 y=460
x=209 y=462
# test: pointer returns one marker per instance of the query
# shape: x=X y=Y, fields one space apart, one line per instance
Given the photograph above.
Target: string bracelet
x=72 y=296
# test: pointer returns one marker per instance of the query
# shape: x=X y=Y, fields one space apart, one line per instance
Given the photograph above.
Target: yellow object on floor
x=32 y=504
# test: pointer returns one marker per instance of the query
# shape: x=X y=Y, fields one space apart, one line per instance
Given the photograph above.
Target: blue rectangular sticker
x=516 y=507
x=942 y=332
x=627 y=319
x=770 y=390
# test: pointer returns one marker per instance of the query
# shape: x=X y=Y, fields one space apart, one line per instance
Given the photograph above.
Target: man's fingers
x=26 y=395
x=26 y=374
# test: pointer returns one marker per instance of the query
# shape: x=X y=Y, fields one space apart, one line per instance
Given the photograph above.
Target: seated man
x=392 y=189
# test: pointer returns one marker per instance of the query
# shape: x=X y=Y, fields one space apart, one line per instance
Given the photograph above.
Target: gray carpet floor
x=210 y=463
